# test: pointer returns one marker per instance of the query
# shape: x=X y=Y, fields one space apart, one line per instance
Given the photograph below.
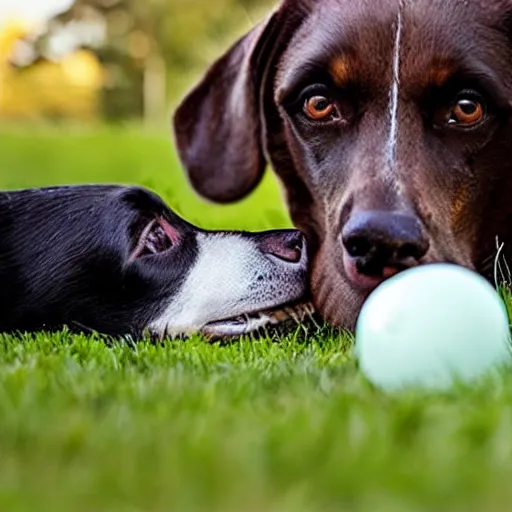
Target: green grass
x=40 y=157
x=92 y=425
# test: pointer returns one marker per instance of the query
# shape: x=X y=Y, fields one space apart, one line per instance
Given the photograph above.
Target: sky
x=31 y=10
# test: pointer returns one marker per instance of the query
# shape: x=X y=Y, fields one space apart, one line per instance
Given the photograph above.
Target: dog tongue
x=245 y=324
x=390 y=272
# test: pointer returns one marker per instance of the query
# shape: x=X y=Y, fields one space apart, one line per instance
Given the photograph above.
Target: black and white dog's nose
x=287 y=245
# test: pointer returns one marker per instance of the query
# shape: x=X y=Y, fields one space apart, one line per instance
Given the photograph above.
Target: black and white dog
x=117 y=260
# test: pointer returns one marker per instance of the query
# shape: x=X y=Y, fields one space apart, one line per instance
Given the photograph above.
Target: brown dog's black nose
x=379 y=240
x=285 y=244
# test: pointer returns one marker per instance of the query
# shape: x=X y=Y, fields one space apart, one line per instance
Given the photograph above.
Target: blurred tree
x=152 y=49
x=45 y=90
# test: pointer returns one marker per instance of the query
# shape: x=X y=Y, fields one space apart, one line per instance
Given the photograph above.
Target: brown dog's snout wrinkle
x=377 y=240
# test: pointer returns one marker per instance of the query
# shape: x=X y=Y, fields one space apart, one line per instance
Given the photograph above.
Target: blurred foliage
x=185 y=32
x=150 y=51
x=48 y=89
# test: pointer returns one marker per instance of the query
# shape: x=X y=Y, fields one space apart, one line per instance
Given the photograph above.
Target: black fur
x=64 y=259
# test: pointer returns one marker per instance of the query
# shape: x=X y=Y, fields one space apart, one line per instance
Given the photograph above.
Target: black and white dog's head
x=117 y=260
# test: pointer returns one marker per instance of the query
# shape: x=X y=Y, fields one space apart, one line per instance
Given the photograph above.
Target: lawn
x=291 y=426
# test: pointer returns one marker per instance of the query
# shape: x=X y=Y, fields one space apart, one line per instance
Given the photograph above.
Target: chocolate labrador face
x=388 y=123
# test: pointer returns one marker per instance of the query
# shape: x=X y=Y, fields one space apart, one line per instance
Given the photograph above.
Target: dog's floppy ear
x=218 y=126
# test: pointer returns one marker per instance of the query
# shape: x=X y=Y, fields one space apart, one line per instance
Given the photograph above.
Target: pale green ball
x=431 y=326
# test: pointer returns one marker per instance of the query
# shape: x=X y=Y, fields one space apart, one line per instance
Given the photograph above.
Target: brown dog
x=389 y=124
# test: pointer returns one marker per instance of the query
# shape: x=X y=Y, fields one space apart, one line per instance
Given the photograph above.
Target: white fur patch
x=231 y=276
x=393 y=96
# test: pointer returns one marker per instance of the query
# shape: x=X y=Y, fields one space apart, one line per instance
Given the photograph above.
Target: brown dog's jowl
x=388 y=123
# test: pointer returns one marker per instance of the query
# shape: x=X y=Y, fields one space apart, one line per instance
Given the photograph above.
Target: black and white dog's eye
x=157 y=240
x=157 y=237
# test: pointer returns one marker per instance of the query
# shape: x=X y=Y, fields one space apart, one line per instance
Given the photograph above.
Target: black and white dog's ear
x=218 y=126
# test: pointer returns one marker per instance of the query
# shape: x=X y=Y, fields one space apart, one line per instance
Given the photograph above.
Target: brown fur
x=456 y=182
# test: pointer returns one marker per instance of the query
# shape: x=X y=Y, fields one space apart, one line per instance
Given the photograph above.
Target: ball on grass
x=430 y=327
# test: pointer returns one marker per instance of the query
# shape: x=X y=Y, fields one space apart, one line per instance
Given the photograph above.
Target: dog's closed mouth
x=259 y=321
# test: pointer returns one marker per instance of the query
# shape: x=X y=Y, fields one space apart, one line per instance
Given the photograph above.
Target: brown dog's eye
x=467 y=111
x=318 y=108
